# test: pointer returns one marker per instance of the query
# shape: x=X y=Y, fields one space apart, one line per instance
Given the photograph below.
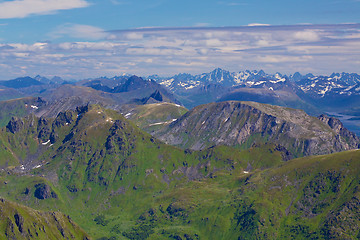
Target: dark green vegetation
x=118 y=182
x=20 y=222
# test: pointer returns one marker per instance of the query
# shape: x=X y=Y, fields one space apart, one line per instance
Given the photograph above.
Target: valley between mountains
x=124 y=158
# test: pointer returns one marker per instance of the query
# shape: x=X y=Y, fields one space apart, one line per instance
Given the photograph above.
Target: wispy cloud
x=117 y=2
x=79 y=31
x=320 y=49
x=258 y=24
x=25 y=8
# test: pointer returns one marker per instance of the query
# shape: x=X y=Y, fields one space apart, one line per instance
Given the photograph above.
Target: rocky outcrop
x=43 y=129
x=349 y=138
x=15 y=125
x=43 y=191
x=236 y=123
x=153 y=98
x=63 y=118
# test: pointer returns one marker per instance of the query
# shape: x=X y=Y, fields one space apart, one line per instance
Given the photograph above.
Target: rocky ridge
x=246 y=123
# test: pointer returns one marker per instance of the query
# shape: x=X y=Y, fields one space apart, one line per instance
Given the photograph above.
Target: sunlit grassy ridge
x=20 y=222
x=152 y=117
x=15 y=108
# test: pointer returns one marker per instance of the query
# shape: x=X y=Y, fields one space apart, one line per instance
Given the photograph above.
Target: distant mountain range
x=315 y=90
x=339 y=83
x=336 y=95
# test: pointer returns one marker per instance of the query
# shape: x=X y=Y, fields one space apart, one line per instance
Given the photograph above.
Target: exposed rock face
x=15 y=125
x=63 y=118
x=19 y=221
x=153 y=98
x=157 y=96
x=351 y=139
x=245 y=123
x=44 y=129
x=43 y=191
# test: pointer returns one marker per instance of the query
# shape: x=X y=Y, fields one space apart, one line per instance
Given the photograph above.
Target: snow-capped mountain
x=315 y=86
x=184 y=82
x=335 y=84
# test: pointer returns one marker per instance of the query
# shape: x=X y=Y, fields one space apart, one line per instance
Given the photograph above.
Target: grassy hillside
x=9 y=93
x=152 y=117
x=20 y=222
x=100 y=162
x=118 y=182
x=17 y=108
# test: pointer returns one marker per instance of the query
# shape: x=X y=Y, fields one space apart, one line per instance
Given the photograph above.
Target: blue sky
x=84 y=38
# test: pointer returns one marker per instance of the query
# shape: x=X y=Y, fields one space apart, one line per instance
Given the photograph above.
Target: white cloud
x=306 y=35
x=282 y=59
x=263 y=43
x=258 y=25
x=168 y=51
x=134 y=36
x=79 y=31
x=25 y=8
x=214 y=42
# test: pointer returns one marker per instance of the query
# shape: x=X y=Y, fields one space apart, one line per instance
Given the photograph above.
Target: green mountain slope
x=152 y=117
x=119 y=182
x=20 y=222
x=9 y=93
x=309 y=198
x=18 y=108
x=99 y=163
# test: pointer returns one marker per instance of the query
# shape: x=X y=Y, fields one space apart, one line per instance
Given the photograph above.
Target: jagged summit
x=153 y=98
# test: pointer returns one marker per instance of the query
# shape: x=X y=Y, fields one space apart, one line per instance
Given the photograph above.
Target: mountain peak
x=21 y=82
x=157 y=95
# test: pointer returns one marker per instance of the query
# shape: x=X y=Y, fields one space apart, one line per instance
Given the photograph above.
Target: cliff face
x=344 y=136
x=246 y=123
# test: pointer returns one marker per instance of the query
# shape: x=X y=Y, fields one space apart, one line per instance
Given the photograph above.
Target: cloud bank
x=25 y=8
x=320 y=49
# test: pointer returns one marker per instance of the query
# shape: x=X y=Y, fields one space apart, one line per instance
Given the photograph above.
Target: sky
x=77 y=39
